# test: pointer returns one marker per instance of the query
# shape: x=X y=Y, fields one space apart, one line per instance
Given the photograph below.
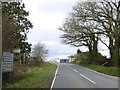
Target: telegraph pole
x=0 y=45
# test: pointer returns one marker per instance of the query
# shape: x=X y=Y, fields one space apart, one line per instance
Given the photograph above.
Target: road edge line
x=54 y=78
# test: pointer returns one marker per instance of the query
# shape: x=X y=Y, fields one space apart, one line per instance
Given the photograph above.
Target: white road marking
x=88 y=79
x=75 y=70
x=54 y=78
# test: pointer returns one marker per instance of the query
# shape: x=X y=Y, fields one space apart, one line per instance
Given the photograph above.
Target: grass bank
x=34 y=77
x=113 y=71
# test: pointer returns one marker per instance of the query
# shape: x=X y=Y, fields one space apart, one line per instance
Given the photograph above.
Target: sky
x=47 y=16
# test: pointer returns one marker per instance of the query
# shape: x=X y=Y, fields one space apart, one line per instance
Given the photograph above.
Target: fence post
x=0 y=45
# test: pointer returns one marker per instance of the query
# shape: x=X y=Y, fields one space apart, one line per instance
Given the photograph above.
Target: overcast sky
x=47 y=16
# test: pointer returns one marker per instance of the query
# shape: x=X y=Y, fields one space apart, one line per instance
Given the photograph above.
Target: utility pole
x=0 y=45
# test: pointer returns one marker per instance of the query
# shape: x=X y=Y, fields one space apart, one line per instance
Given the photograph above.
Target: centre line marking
x=88 y=79
x=75 y=70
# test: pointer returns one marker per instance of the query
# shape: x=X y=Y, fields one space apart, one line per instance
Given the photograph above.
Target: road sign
x=7 y=62
x=64 y=60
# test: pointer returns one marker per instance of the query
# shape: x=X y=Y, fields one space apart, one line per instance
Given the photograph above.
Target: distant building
x=58 y=60
x=71 y=58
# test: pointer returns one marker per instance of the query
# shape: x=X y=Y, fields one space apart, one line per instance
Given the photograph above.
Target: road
x=75 y=76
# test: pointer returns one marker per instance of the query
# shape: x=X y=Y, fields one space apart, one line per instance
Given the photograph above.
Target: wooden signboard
x=7 y=62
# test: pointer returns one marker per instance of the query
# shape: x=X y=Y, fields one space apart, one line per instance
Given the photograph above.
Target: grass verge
x=34 y=77
x=113 y=71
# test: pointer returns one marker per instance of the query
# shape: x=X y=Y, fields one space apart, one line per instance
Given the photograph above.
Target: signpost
x=7 y=64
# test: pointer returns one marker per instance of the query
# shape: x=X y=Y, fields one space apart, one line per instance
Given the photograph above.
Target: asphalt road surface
x=75 y=76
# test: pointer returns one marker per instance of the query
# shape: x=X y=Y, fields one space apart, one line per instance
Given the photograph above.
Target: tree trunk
x=95 y=51
x=90 y=55
x=114 y=52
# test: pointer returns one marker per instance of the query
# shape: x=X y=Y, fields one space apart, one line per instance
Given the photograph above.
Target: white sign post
x=0 y=45
x=16 y=50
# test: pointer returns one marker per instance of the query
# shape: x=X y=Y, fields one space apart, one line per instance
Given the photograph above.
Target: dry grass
x=31 y=76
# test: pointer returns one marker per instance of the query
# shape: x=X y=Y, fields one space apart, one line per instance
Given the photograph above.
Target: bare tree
x=107 y=15
x=39 y=52
x=80 y=32
x=89 y=22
